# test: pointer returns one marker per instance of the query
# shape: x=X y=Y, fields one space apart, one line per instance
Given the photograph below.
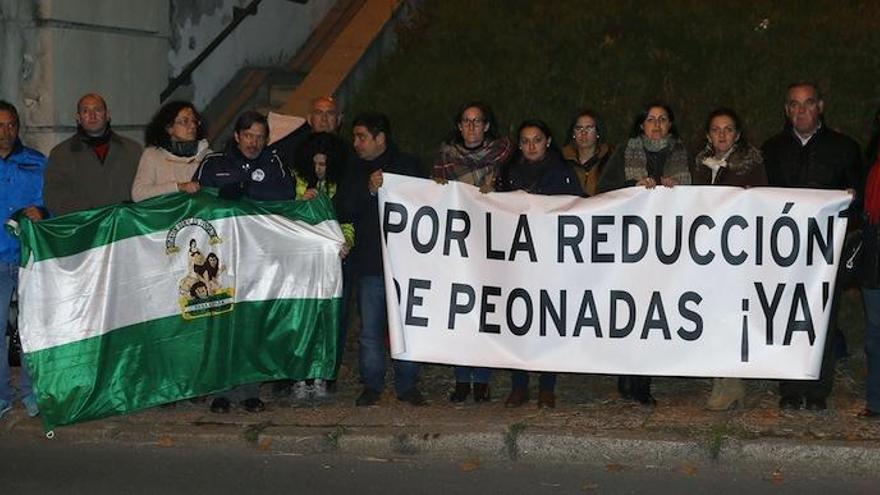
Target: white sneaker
x=300 y=390
x=320 y=389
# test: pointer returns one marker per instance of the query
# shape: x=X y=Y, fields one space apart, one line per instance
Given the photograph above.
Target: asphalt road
x=46 y=467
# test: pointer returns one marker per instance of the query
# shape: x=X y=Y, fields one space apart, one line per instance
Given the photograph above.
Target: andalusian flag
x=134 y=305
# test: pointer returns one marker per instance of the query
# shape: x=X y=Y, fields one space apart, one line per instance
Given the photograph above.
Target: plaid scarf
x=473 y=166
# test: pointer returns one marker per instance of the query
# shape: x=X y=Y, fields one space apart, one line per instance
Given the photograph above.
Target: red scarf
x=872 y=193
x=101 y=150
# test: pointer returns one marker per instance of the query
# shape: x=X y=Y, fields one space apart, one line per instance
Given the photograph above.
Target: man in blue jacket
x=21 y=188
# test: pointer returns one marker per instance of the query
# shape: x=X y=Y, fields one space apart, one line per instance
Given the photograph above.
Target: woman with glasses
x=473 y=154
x=654 y=155
x=586 y=150
x=727 y=160
x=175 y=145
x=536 y=167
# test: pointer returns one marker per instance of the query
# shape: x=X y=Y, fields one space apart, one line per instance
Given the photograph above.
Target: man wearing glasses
x=807 y=153
x=94 y=167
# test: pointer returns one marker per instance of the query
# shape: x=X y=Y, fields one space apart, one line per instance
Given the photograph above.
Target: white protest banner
x=687 y=281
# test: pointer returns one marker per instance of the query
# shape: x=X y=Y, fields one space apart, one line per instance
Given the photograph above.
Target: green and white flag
x=134 y=305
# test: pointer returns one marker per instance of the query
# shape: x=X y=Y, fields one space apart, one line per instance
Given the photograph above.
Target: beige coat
x=159 y=171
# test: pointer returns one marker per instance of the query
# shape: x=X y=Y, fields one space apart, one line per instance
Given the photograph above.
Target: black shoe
x=790 y=403
x=413 y=397
x=253 y=405
x=868 y=414
x=368 y=397
x=481 y=392
x=817 y=404
x=624 y=387
x=331 y=386
x=461 y=392
x=282 y=388
x=220 y=405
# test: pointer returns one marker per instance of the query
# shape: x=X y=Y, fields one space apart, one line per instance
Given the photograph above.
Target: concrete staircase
x=345 y=42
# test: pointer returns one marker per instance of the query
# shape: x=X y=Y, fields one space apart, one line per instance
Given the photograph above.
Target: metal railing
x=238 y=15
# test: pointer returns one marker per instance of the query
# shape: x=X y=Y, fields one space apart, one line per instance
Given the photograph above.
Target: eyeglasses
x=9 y=126
x=186 y=122
x=661 y=120
x=471 y=122
x=584 y=129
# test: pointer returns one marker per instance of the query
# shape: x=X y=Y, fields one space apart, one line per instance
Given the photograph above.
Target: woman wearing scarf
x=175 y=145
x=727 y=160
x=871 y=274
x=472 y=154
x=654 y=155
x=537 y=167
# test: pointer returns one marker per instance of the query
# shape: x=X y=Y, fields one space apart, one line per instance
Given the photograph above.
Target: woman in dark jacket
x=870 y=272
x=536 y=167
x=727 y=160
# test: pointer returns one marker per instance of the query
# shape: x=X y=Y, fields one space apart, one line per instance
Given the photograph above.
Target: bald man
x=94 y=167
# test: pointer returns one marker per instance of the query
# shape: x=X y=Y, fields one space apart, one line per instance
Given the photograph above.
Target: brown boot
x=727 y=393
x=517 y=397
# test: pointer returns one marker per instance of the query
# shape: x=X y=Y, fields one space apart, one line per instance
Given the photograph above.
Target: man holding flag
x=21 y=186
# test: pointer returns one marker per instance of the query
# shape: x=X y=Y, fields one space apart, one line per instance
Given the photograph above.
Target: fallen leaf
x=264 y=443
x=776 y=477
x=469 y=465
x=614 y=468
x=588 y=487
x=165 y=441
x=688 y=470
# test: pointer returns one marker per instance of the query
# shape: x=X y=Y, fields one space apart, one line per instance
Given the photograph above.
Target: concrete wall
x=269 y=38
x=61 y=49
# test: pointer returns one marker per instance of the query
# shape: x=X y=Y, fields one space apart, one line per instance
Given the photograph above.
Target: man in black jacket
x=246 y=167
x=809 y=154
x=357 y=202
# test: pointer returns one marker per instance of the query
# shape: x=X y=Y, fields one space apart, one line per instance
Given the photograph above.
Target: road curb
x=513 y=443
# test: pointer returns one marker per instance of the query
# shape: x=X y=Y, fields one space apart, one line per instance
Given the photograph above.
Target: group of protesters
x=98 y=167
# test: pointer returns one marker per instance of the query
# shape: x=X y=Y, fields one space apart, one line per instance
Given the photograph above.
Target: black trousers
x=821 y=388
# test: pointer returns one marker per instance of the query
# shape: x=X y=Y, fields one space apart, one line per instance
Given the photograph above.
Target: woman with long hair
x=536 y=167
x=175 y=146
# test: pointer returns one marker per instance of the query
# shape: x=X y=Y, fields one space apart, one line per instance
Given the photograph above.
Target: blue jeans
x=872 y=347
x=8 y=282
x=520 y=379
x=466 y=374
x=374 y=320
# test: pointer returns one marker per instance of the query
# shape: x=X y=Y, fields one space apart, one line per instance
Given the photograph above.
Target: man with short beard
x=95 y=167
